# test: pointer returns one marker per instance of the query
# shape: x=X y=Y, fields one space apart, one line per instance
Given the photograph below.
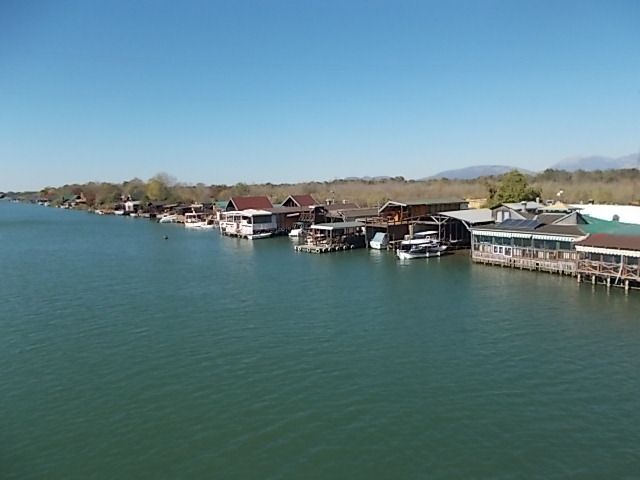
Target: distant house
x=246 y=203
x=299 y=201
x=132 y=206
x=531 y=206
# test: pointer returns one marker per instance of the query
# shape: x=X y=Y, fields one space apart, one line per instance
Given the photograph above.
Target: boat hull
x=258 y=236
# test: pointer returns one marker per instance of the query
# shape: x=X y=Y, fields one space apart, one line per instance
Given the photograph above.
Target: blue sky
x=222 y=92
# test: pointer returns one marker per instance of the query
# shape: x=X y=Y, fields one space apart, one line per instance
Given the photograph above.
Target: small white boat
x=379 y=241
x=118 y=212
x=99 y=212
x=295 y=233
x=258 y=236
x=168 y=219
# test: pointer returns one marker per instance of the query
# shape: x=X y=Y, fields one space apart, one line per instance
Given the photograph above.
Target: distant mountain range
x=469 y=173
x=596 y=162
x=588 y=163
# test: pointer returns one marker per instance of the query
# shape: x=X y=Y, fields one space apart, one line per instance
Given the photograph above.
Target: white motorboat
x=168 y=219
x=379 y=241
x=118 y=212
x=422 y=245
x=258 y=236
x=420 y=251
x=295 y=233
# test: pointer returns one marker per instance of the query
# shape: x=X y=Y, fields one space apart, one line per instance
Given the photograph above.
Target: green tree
x=513 y=187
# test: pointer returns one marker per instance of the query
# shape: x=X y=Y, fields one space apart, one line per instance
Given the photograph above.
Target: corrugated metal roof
x=597 y=225
x=472 y=216
x=428 y=201
x=341 y=206
x=337 y=225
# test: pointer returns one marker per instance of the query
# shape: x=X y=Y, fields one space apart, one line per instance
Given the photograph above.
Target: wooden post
x=626 y=286
x=608 y=282
x=593 y=279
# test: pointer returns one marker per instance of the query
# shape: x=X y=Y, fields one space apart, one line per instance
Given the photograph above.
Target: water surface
x=125 y=355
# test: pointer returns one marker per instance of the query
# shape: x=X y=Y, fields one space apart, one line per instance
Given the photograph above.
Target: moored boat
x=422 y=245
x=194 y=220
x=379 y=241
x=168 y=219
x=258 y=236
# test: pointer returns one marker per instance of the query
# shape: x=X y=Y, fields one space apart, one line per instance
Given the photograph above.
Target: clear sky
x=278 y=91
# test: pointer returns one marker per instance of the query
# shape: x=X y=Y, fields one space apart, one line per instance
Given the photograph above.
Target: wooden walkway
x=322 y=248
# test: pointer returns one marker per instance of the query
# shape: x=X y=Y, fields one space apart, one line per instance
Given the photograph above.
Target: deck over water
x=323 y=248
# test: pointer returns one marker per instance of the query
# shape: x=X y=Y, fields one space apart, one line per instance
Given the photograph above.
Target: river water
x=127 y=355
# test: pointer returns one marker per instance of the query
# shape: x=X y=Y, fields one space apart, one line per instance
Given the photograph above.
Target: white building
x=619 y=213
x=247 y=223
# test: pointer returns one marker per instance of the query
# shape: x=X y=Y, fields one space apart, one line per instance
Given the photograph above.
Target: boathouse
x=455 y=226
x=290 y=217
x=330 y=237
x=398 y=219
x=610 y=260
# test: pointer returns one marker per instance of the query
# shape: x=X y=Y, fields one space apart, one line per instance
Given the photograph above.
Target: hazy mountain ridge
x=475 y=171
x=596 y=162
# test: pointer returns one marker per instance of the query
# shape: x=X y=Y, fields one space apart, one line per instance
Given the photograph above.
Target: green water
x=125 y=355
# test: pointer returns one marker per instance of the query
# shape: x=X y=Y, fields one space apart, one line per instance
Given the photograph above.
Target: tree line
x=609 y=186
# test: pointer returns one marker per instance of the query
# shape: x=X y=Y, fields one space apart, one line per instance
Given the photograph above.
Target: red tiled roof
x=244 y=203
x=604 y=240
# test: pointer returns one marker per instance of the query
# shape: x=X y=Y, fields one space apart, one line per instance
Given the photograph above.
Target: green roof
x=596 y=225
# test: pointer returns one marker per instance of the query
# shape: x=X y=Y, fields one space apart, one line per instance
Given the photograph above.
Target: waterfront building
x=544 y=242
x=609 y=259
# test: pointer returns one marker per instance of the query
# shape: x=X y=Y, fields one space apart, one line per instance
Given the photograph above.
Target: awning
x=608 y=251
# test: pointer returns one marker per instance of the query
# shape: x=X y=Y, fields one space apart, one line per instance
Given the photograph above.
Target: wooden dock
x=322 y=248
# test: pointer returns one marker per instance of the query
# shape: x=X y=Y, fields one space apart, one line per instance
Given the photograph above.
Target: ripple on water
x=125 y=355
